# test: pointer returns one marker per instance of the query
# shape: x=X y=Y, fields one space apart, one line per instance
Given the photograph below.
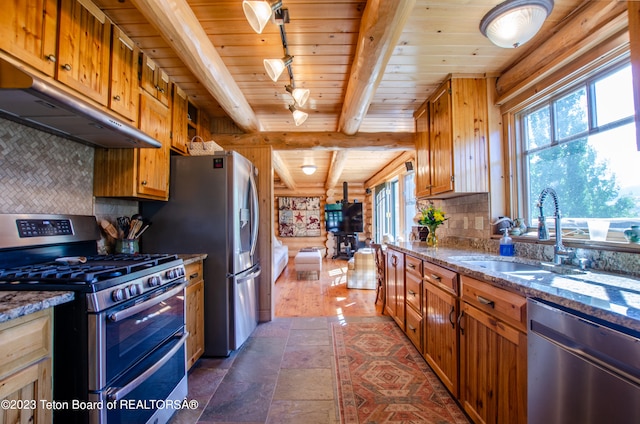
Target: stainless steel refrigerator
x=213 y=209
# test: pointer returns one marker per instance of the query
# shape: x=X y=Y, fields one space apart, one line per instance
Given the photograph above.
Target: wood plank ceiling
x=359 y=85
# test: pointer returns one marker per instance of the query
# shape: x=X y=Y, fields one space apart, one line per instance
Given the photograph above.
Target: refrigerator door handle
x=256 y=214
x=249 y=276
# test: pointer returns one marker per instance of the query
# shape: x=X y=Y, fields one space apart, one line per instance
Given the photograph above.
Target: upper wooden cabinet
x=137 y=173
x=179 y=120
x=452 y=150
x=30 y=33
x=154 y=80
x=84 y=40
x=124 y=92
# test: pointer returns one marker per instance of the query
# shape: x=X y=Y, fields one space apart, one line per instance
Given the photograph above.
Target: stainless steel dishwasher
x=580 y=370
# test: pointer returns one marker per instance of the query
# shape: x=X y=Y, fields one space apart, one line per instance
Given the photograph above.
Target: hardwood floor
x=324 y=297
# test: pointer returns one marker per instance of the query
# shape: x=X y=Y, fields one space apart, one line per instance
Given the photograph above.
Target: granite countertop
x=613 y=298
x=192 y=257
x=14 y=304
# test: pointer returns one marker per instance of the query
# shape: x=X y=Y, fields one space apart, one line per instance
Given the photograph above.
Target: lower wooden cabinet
x=493 y=354
x=25 y=368
x=195 y=312
x=413 y=300
x=395 y=303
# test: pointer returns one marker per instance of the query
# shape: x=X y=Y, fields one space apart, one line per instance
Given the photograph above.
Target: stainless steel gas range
x=119 y=347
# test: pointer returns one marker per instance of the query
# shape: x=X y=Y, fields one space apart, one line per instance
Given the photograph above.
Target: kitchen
x=50 y=174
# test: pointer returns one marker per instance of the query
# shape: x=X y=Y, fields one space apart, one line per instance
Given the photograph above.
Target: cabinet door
x=441 y=335
x=154 y=80
x=30 y=33
x=204 y=126
x=493 y=368
x=391 y=266
x=124 y=94
x=179 y=120
x=153 y=164
x=441 y=142
x=195 y=321
x=29 y=386
x=395 y=286
x=423 y=164
x=84 y=40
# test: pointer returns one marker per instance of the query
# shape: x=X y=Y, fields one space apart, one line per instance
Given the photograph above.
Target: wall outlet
x=479 y=223
x=465 y=223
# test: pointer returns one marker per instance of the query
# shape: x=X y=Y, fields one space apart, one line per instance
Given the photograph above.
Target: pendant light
x=300 y=95
x=258 y=13
x=298 y=116
x=274 y=67
x=308 y=169
x=514 y=22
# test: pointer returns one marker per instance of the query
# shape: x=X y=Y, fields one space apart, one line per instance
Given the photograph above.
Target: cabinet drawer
x=193 y=272
x=414 y=328
x=441 y=277
x=413 y=294
x=413 y=266
x=498 y=302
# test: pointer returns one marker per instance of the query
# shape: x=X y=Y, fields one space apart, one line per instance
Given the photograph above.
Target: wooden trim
x=634 y=37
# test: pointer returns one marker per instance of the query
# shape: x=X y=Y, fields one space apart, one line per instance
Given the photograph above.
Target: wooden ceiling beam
x=280 y=168
x=320 y=140
x=338 y=162
x=380 y=29
x=395 y=167
x=182 y=31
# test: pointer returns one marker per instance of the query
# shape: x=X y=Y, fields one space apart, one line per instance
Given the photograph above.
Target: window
x=386 y=204
x=581 y=142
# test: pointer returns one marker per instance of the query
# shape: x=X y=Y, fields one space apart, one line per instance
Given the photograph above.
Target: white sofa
x=280 y=258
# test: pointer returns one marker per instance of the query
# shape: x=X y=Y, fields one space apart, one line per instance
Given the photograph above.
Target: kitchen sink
x=514 y=268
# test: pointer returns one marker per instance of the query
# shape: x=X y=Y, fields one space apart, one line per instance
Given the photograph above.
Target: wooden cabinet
x=493 y=353
x=154 y=80
x=204 y=126
x=451 y=139
x=179 y=120
x=413 y=300
x=195 y=312
x=30 y=33
x=395 y=305
x=25 y=367
x=137 y=173
x=83 y=49
x=440 y=326
x=124 y=93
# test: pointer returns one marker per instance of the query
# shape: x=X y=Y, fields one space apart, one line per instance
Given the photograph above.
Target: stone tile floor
x=283 y=374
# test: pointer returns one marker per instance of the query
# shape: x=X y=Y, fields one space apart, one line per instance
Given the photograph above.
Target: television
x=344 y=217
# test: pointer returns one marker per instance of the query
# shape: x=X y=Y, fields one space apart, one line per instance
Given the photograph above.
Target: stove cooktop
x=84 y=274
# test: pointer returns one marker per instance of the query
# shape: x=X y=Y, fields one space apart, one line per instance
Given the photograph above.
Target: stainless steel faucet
x=543 y=234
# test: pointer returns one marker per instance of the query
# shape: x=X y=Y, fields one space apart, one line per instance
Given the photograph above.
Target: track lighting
x=514 y=22
x=298 y=116
x=300 y=95
x=258 y=13
x=275 y=67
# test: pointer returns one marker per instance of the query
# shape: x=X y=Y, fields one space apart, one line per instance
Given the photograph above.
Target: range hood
x=27 y=99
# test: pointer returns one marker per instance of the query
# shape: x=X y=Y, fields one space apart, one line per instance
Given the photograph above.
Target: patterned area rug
x=383 y=379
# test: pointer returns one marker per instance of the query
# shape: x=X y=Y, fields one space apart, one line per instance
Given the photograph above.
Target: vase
x=632 y=234
x=432 y=238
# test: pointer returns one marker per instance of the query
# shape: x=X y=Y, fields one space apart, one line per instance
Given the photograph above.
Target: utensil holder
x=127 y=246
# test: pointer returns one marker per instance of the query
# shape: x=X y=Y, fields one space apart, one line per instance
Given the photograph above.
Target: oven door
x=121 y=337
x=149 y=392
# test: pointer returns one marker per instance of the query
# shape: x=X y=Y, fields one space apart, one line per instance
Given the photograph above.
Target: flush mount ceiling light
x=298 y=116
x=300 y=95
x=258 y=13
x=275 y=67
x=514 y=22
x=309 y=169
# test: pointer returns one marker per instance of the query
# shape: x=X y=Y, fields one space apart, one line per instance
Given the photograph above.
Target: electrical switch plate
x=479 y=223
x=466 y=223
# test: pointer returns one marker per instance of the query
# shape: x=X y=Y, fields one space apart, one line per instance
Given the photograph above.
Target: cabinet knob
x=66 y=67
x=51 y=58
x=144 y=182
x=160 y=89
x=116 y=98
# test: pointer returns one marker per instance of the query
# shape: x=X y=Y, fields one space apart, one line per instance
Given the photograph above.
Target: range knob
x=154 y=281
x=117 y=295
x=135 y=290
x=173 y=273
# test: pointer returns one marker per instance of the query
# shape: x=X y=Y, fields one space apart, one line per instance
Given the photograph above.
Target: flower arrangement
x=432 y=217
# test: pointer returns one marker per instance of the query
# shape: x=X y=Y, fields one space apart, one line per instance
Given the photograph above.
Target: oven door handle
x=126 y=313
x=114 y=394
